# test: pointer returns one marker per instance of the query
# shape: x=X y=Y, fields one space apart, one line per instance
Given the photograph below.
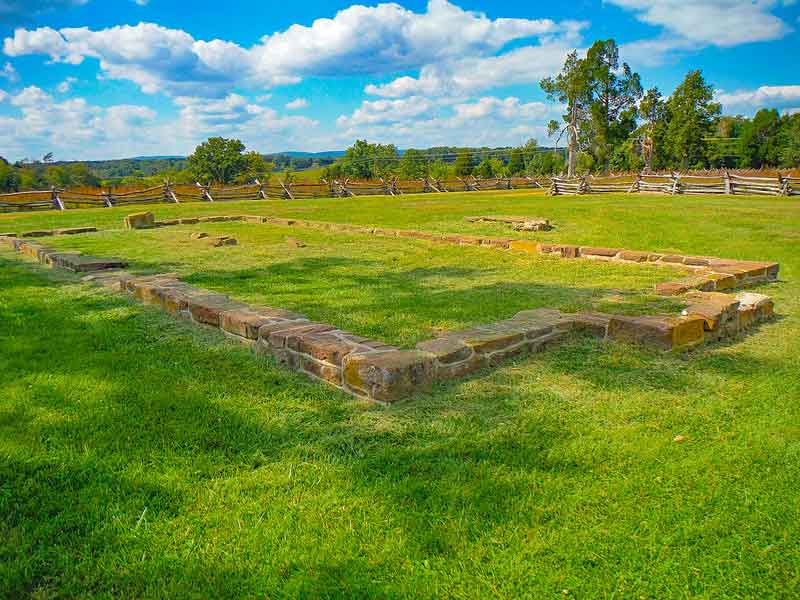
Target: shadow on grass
x=113 y=408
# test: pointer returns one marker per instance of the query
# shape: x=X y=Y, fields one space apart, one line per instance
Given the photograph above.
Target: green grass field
x=144 y=457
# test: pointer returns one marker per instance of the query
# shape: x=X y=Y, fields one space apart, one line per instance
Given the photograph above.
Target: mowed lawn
x=144 y=457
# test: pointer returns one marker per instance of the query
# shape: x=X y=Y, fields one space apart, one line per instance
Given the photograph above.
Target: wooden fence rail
x=679 y=183
x=664 y=183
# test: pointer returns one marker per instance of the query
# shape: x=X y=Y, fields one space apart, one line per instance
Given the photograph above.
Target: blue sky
x=93 y=79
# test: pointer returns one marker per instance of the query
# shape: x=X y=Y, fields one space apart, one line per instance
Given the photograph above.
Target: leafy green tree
x=9 y=177
x=516 y=164
x=439 y=170
x=653 y=111
x=413 y=165
x=463 y=165
x=790 y=155
x=571 y=88
x=218 y=160
x=614 y=91
x=692 y=115
x=761 y=140
x=546 y=163
x=255 y=168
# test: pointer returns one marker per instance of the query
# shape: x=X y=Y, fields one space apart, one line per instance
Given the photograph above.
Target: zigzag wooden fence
x=57 y=199
x=667 y=183
x=677 y=183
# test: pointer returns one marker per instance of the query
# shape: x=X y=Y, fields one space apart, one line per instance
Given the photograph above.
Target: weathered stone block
x=37 y=234
x=633 y=256
x=681 y=286
x=568 y=251
x=85 y=264
x=208 y=309
x=672 y=258
x=7 y=235
x=754 y=308
x=593 y=251
x=326 y=372
x=326 y=347
x=447 y=350
x=389 y=376
x=663 y=333
x=526 y=246
x=189 y=221
x=198 y=235
x=142 y=220
x=255 y=219
x=592 y=323
x=289 y=337
x=247 y=322
x=718 y=311
x=75 y=230
x=696 y=261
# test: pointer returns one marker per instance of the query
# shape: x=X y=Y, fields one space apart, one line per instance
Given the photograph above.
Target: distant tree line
x=612 y=123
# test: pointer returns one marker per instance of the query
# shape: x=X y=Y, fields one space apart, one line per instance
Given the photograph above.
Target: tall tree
x=761 y=140
x=413 y=165
x=692 y=113
x=569 y=87
x=614 y=90
x=218 y=160
x=516 y=165
x=463 y=165
x=653 y=112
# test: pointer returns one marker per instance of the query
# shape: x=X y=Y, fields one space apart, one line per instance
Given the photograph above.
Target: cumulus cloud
x=77 y=129
x=358 y=40
x=766 y=96
x=66 y=85
x=297 y=104
x=9 y=73
x=716 y=22
x=419 y=122
x=472 y=74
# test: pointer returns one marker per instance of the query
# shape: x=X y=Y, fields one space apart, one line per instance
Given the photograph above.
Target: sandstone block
x=75 y=230
x=389 y=376
x=37 y=234
x=633 y=256
x=718 y=311
x=568 y=251
x=209 y=308
x=663 y=333
x=447 y=350
x=592 y=323
x=198 y=235
x=289 y=337
x=326 y=347
x=525 y=246
x=681 y=286
x=754 y=308
x=593 y=251
x=142 y=220
x=189 y=221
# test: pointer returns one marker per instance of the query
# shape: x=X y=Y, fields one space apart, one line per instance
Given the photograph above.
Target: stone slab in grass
x=141 y=220
x=75 y=230
x=391 y=376
x=85 y=264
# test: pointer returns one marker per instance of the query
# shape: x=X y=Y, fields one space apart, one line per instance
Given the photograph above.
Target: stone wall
x=386 y=374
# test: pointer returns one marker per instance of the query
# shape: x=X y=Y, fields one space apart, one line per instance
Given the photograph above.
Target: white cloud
x=382 y=39
x=527 y=64
x=9 y=73
x=3 y=96
x=66 y=85
x=76 y=129
x=716 y=22
x=417 y=122
x=766 y=96
x=297 y=104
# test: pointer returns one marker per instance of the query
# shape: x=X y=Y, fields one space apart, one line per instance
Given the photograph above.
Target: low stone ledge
x=720 y=313
x=754 y=309
x=595 y=252
x=663 y=333
x=391 y=376
x=141 y=220
x=74 y=230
